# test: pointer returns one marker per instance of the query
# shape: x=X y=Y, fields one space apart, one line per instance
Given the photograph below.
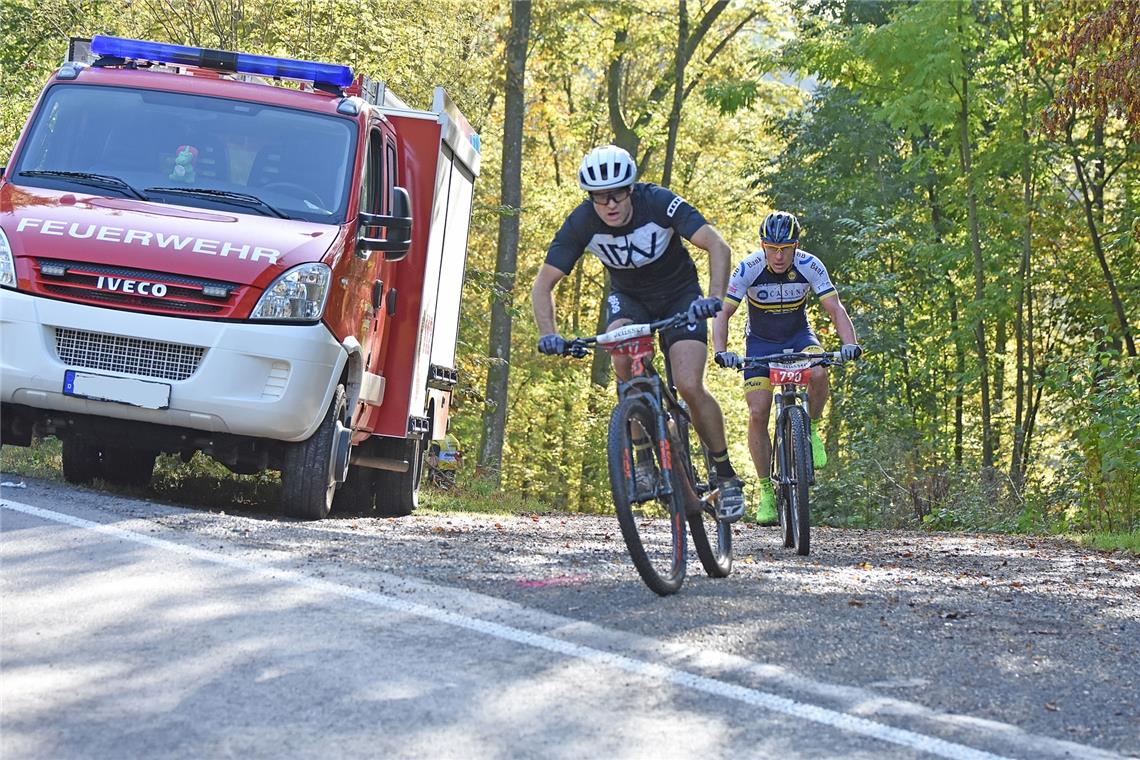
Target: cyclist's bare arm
x=720 y=258
x=720 y=325
x=839 y=318
x=542 y=298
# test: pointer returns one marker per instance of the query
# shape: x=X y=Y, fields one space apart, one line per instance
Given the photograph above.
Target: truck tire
x=307 y=482
x=357 y=494
x=398 y=493
x=128 y=467
x=82 y=460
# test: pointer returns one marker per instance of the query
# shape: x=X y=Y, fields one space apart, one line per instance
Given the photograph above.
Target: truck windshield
x=247 y=157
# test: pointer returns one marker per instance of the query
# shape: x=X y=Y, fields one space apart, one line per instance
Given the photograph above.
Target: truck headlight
x=298 y=294
x=7 y=263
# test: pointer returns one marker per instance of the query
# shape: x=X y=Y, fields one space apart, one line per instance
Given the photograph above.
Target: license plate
x=797 y=373
x=123 y=390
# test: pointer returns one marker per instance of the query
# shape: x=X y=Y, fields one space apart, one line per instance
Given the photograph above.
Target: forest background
x=967 y=170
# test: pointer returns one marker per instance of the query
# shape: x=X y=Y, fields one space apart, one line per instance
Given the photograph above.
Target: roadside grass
x=43 y=459
x=477 y=495
x=203 y=482
x=1127 y=542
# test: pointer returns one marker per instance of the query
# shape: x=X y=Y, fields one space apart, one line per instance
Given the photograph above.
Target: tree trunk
x=959 y=372
x=600 y=365
x=679 y=64
x=1092 y=198
x=498 y=373
x=998 y=405
x=1024 y=376
x=965 y=153
x=936 y=224
x=626 y=134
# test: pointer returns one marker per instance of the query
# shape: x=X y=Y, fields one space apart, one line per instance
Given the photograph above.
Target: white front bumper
x=269 y=381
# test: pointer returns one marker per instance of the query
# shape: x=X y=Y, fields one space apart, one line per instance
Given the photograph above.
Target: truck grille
x=118 y=286
x=115 y=353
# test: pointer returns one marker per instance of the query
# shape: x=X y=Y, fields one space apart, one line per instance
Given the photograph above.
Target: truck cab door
x=377 y=181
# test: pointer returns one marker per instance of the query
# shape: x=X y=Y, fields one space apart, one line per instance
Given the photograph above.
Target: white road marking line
x=841 y=721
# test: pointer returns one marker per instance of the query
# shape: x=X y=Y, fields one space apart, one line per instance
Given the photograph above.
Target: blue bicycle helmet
x=779 y=228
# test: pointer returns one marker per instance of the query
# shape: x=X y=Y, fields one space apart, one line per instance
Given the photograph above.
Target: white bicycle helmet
x=606 y=167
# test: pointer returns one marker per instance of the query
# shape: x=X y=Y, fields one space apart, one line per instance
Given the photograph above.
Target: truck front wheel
x=398 y=493
x=307 y=479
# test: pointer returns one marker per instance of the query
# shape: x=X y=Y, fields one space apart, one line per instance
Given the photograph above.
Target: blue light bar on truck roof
x=222 y=60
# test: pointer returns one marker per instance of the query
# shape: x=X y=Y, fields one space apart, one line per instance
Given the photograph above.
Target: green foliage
x=42 y=460
x=1103 y=466
x=730 y=96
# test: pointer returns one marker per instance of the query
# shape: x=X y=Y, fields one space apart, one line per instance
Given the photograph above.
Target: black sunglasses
x=617 y=196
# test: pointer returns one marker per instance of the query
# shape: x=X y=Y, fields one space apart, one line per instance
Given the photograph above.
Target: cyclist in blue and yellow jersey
x=635 y=229
x=775 y=281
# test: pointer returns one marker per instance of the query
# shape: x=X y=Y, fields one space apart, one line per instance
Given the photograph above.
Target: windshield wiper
x=242 y=199
x=105 y=181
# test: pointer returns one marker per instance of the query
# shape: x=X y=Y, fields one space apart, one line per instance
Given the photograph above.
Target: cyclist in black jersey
x=775 y=281
x=635 y=229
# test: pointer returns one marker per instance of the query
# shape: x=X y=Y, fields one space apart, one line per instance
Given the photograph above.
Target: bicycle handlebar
x=580 y=346
x=825 y=359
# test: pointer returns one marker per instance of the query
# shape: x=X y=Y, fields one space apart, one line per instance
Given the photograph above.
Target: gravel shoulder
x=1030 y=631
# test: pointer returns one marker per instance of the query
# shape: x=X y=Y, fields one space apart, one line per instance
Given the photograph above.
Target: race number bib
x=789 y=373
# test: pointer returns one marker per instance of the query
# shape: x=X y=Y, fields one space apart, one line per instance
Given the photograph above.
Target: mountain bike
x=657 y=486
x=791 y=464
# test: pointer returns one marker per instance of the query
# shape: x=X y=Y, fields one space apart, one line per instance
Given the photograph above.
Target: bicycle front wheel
x=781 y=468
x=652 y=523
x=711 y=537
x=799 y=454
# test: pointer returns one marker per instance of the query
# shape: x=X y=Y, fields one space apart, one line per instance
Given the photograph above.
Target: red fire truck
x=196 y=257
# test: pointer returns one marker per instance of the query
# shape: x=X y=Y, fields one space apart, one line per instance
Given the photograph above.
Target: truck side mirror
x=398 y=224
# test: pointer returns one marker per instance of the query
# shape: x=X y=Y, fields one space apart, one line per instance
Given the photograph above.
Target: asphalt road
x=136 y=629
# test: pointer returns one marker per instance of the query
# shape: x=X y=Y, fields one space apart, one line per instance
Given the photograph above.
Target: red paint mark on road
x=560 y=580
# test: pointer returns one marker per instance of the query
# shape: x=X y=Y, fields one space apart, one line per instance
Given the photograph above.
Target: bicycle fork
x=648 y=390
x=664 y=450
x=780 y=454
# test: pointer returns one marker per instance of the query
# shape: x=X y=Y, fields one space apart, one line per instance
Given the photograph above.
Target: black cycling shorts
x=625 y=306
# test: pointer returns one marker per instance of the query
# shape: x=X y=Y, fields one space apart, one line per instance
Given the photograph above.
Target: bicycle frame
x=637 y=342
x=791 y=372
x=793 y=391
x=661 y=395
x=650 y=400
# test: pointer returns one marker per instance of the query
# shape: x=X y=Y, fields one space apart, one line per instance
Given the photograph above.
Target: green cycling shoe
x=766 y=511
x=818 y=452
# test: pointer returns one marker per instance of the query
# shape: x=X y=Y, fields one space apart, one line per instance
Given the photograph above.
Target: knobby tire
x=653 y=528
x=799 y=451
x=781 y=467
x=711 y=537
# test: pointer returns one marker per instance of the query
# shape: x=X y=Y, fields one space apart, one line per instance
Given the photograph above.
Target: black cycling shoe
x=731 y=506
x=645 y=478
